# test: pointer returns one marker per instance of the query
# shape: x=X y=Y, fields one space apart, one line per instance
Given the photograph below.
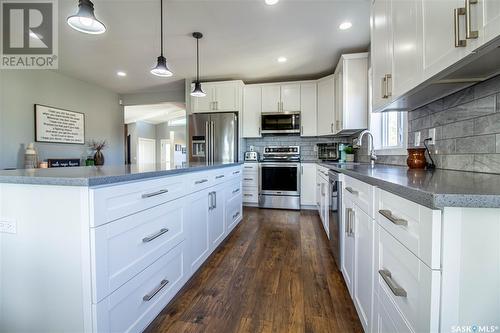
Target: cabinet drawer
x=233 y=189
x=387 y=318
x=361 y=193
x=234 y=213
x=250 y=195
x=250 y=179
x=201 y=180
x=250 y=167
x=233 y=172
x=416 y=227
x=132 y=307
x=122 y=249
x=411 y=286
x=114 y=202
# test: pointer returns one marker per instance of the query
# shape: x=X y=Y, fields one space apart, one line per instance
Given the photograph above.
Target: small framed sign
x=59 y=126
x=63 y=162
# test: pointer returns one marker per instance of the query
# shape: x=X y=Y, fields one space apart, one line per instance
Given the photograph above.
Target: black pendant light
x=161 y=68
x=197 y=91
x=84 y=20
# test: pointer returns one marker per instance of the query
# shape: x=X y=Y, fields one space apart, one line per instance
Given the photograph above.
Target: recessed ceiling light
x=271 y=2
x=282 y=59
x=120 y=73
x=345 y=25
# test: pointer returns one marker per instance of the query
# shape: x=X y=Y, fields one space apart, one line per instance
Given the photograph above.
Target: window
x=390 y=131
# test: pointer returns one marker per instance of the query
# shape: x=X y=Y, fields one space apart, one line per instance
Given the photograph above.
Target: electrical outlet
x=432 y=135
x=315 y=148
x=8 y=226
x=417 y=139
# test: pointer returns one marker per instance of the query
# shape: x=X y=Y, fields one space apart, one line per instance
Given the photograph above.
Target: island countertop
x=433 y=189
x=102 y=175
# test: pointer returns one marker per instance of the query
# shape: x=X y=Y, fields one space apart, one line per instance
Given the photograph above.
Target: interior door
x=225 y=137
x=290 y=97
x=271 y=98
x=146 y=151
x=226 y=97
x=347 y=250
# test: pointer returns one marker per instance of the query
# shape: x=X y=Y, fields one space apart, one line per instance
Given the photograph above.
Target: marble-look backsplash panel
x=467 y=127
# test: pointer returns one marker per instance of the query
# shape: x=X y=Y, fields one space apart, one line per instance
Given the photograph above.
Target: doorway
x=146 y=151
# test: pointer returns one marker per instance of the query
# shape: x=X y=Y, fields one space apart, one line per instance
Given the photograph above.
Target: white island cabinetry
x=110 y=258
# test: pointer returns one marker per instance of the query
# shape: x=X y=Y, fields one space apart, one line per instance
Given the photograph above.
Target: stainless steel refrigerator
x=213 y=137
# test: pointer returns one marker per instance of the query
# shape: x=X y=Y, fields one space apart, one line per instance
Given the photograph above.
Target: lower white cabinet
x=348 y=243
x=199 y=217
x=323 y=200
x=251 y=183
x=216 y=218
x=308 y=184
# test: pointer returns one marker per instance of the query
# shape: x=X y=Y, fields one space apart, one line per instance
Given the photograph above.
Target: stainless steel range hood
x=481 y=65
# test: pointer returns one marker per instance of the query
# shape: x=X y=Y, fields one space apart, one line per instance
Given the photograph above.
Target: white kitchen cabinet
x=216 y=219
x=351 y=92
x=489 y=17
x=222 y=96
x=251 y=183
x=252 y=109
x=271 y=98
x=308 y=184
x=290 y=97
x=363 y=266
x=348 y=244
x=326 y=105
x=308 y=109
x=199 y=217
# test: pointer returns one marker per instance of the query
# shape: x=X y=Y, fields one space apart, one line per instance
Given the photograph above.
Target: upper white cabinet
x=351 y=92
x=221 y=97
x=252 y=108
x=326 y=105
x=308 y=109
x=489 y=14
x=281 y=97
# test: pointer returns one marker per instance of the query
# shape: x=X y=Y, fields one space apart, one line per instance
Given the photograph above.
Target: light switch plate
x=8 y=226
x=417 y=139
x=432 y=134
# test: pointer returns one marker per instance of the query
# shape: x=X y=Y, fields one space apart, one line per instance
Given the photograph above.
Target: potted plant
x=98 y=146
x=349 y=151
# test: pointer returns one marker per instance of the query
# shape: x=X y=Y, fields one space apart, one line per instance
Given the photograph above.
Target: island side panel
x=45 y=265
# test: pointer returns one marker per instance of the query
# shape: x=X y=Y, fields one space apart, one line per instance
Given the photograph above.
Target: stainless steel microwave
x=280 y=123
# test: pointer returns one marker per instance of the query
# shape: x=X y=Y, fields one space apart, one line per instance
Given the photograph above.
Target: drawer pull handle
x=249 y=179
x=248 y=195
x=153 y=237
x=154 y=194
x=236 y=190
x=395 y=288
x=219 y=177
x=236 y=172
x=153 y=293
x=236 y=215
x=248 y=167
x=350 y=190
x=201 y=181
x=388 y=215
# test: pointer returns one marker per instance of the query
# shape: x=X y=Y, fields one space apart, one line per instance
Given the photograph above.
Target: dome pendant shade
x=84 y=20
x=161 y=68
x=197 y=91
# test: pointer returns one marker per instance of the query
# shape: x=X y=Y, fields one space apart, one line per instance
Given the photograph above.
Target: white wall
x=21 y=89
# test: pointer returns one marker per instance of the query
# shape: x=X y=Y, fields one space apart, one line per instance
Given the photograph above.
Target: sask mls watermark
x=29 y=34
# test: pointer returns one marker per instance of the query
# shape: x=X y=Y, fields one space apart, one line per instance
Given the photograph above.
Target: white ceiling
x=243 y=39
x=154 y=113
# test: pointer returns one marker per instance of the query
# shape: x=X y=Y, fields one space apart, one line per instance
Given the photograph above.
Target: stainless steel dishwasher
x=335 y=214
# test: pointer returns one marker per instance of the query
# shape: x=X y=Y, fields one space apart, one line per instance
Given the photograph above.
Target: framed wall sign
x=59 y=126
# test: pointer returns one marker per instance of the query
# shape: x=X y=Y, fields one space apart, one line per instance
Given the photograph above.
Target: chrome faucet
x=359 y=141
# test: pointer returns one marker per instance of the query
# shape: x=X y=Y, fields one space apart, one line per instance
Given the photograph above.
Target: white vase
x=349 y=158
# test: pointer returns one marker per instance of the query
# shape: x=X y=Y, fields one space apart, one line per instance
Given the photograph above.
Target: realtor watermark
x=475 y=329
x=29 y=33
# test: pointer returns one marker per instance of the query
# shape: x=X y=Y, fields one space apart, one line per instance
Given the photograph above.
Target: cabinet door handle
x=395 y=288
x=154 y=194
x=469 y=33
x=248 y=167
x=236 y=190
x=154 y=236
x=350 y=190
x=152 y=294
x=247 y=195
x=396 y=220
x=384 y=94
x=236 y=215
x=236 y=172
x=388 y=91
x=210 y=201
x=219 y=177
x=215 y=200
x=457 y=12
x=301 y=130
x=351 y=225
x=348 y=217
x=201 y=181
x=331 y=127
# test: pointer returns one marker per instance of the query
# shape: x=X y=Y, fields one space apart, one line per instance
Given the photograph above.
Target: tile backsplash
x=467 y=125
x=307 y=145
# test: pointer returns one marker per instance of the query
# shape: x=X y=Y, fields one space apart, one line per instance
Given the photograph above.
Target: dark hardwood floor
x=273 y=274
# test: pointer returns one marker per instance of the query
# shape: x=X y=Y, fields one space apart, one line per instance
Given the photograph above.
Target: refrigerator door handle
x=212 y=130
x=207 y=142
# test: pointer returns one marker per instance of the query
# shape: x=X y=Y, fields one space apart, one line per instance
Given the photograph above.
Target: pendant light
x=161 y=68
x=198 y=92
x=84 y=20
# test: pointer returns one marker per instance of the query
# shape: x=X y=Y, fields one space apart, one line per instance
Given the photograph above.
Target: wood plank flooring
x=274 y=274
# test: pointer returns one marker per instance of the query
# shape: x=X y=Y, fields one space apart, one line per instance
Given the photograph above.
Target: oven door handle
x=279 y=165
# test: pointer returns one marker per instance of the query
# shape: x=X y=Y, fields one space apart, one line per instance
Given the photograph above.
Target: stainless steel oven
x=280 y=123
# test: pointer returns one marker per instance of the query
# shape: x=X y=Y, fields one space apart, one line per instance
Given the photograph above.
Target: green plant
x=349 y=150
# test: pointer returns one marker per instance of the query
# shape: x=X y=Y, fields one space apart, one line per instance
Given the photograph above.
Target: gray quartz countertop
x=101 y=175
x=433 y=189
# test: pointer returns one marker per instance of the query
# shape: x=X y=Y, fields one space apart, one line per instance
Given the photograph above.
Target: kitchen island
x=100 y=249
